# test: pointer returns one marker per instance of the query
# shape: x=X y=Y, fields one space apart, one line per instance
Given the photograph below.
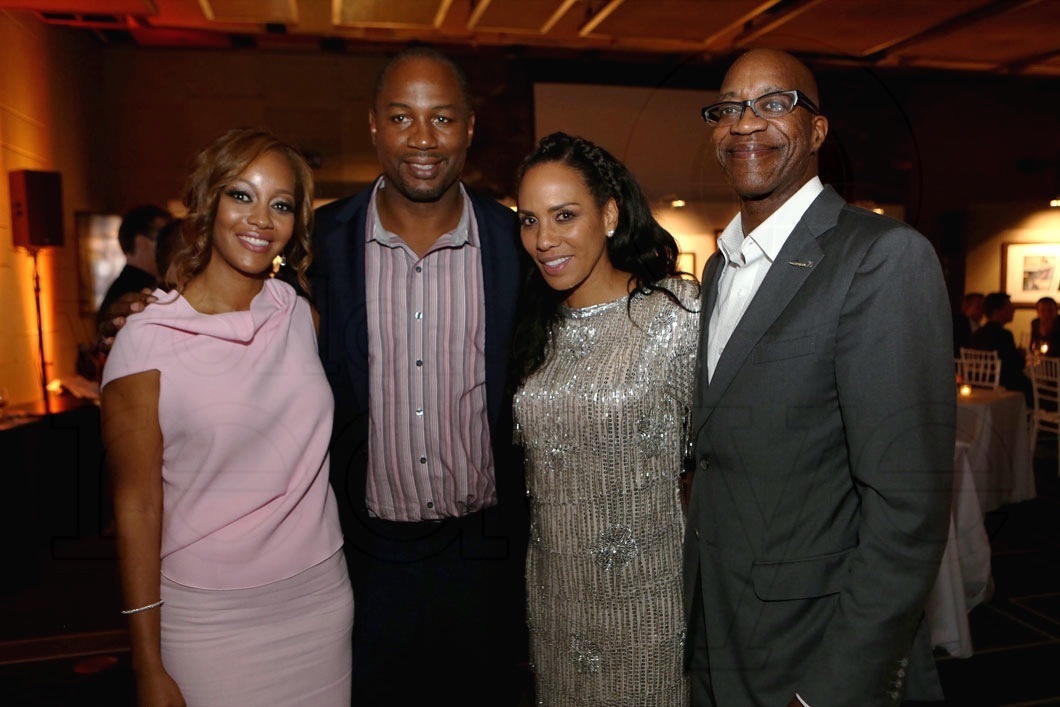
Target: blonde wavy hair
x=212 y=171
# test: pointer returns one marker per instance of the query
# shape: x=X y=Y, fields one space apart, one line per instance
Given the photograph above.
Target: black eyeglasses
x=770 y=107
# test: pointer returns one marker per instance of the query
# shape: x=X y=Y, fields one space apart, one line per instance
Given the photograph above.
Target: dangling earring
x=611 y=233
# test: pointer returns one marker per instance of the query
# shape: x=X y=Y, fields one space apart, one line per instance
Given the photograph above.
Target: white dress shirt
x=747 y=260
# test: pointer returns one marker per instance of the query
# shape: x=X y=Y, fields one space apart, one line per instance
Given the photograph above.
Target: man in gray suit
x=824 y=425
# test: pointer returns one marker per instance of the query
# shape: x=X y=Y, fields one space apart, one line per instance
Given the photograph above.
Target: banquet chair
x=1045 y=415
x=981 y=369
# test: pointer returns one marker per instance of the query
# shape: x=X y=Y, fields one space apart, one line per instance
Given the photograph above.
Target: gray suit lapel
x=798 y=258
x=711 y=275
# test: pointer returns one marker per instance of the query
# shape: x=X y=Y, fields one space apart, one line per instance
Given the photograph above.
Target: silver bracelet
x=144 y=608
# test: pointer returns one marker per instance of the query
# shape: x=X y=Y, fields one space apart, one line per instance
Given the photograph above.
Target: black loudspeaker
x=36 y=208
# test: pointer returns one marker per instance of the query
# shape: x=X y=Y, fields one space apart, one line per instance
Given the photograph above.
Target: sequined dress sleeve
x=602 y=426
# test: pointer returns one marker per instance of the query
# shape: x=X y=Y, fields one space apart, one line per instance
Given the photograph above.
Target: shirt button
x=423 y=460
x=430 y=504
x=419 y=412
x=419 y=363
x=419 y=268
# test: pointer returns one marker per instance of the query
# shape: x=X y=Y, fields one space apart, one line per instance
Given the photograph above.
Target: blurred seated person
x=993 y=336
x=136 y=236
x=1045 y=334
x=967 y=321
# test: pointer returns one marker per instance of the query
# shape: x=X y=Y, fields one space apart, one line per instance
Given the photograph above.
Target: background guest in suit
x=165 y=247
x=824 y=425
x=217 y=419
x=606 y=345
x=1044 y=331
x=993 y=336
x=416 y=281
x=967 y=321
x=137 y=234
x=92 y=357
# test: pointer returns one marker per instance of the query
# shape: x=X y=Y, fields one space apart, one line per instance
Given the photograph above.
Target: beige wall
x=46 y=82
x=990 y=226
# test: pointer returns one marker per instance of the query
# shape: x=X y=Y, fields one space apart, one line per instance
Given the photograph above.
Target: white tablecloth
x=992 y=467
x=994 y=425
x=964 y=579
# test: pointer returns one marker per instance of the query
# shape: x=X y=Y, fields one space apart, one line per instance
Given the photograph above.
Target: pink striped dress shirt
x=429 y=455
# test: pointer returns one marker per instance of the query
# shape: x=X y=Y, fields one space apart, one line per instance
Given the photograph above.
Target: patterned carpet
x=61 y=638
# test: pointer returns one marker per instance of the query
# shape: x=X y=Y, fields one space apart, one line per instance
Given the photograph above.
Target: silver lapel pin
x=801 y=263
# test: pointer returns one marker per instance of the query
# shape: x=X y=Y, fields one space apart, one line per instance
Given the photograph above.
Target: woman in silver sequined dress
x=605 y=350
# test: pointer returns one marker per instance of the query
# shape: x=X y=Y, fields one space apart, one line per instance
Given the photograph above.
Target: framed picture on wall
x=99 y=255
x=1030 y=271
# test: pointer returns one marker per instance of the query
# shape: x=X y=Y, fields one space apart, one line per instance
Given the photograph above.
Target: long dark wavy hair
x=640 y=247
x=213 y=170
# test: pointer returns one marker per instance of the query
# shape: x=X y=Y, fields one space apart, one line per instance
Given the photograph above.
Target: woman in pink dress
x=216 y=419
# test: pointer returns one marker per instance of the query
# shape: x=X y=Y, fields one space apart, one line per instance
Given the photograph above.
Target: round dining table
x=993 y=423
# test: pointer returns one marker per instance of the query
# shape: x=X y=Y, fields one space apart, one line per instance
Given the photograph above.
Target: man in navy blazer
x=824 y=425
x=438 y=599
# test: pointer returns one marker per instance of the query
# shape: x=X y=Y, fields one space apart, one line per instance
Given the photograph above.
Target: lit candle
x=1045 y=349
x=966 y=390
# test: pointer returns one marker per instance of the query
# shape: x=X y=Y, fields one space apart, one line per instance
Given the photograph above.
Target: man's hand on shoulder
x=114 y=318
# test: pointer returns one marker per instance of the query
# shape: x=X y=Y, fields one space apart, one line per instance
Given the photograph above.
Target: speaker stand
x=34 y=253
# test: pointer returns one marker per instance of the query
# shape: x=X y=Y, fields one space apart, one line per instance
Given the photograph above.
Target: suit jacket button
x=704 y=464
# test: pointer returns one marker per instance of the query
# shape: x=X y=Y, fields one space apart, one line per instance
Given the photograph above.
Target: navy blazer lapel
x=348 y=242
x=800 y=255
x=500 y=282
x=358 y=328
